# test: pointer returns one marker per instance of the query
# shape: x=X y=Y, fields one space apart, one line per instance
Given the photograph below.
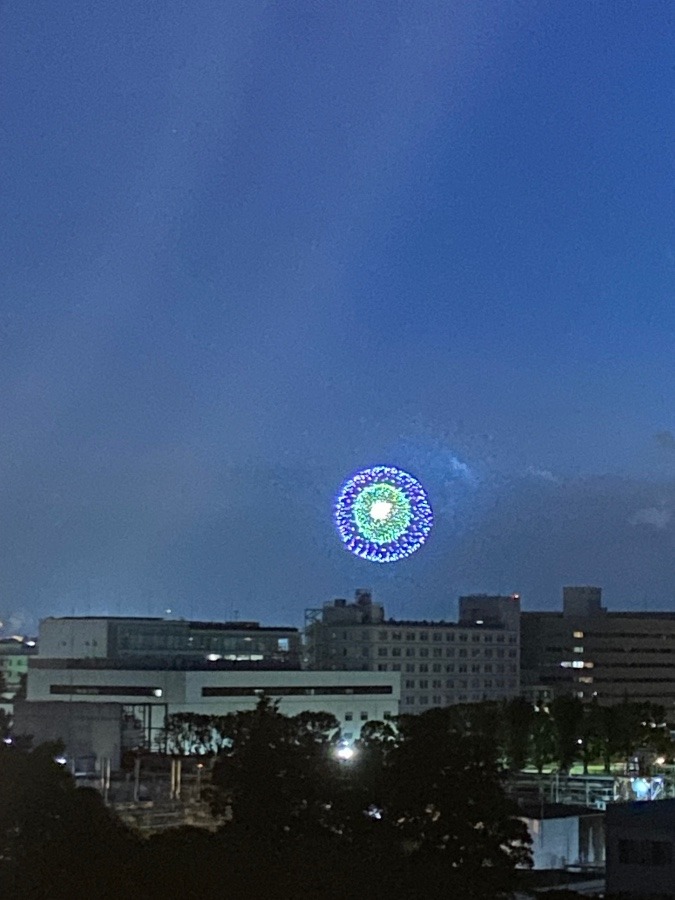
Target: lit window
x=577 y=649
x=577 y=634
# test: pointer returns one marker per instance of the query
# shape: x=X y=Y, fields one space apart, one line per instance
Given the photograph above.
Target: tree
x=518 y=715
x=56 y=840
x=566 y=714
x=446 y=800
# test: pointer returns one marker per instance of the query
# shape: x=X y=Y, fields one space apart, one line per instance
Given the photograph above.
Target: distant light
x=30 y=643
x=345 y=753
x=157 y=692
x=214 y=657
x=7 y=740
x=480 y=622
x=660 y=760
x=61 y=760
x=580 y=740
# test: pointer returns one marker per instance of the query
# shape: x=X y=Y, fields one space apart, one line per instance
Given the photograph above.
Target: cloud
x=542 y=474
x=665 y=439
x=654 y=516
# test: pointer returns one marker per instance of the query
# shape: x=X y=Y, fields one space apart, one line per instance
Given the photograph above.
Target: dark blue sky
x=249 y=247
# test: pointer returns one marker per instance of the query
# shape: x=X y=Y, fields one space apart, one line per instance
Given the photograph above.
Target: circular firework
x=383 y=514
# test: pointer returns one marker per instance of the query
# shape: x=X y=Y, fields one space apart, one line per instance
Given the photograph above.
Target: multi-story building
x=593 y=653
x=440 y=663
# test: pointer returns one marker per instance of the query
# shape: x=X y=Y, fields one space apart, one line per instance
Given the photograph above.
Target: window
x=475 y=638
x=410 y=667
x=438 y=636
x=349 y=716
x=475 y=667
x=463 y=638
x=450 y=683
x=450 y=652
x=396 y=635
x=283 y=645
x=396 y=651
x=381 y=667
x=461 y=667
x=424 y=651
x=450 y=667
x=364 y=716
x=409 y=651
x=462 y=652
x=450 y=636
x=436 y=667
x=396 y=667
x=437 y=651
x=577 y=649
x=488 y=654
x=577 y=634
x=424 y=667
x=437 y=700
x=410 y=635
x=382 y=651
x=475 y=652
x=382 y=635
x=424 y=635
x=424 y=701
x=436 y=683
x=410 y=684
x=410 y=701
x=487 y=667
x=424 y=683
x=386 y=715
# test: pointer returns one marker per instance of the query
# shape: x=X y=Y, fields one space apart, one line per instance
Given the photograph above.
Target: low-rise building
x=565 y=836
x=440 y=663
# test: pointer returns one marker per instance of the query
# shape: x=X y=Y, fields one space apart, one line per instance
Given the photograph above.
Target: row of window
x=422 y=684
x=446 y=699
x=437 y=652
x=462 y=637
x=500 y=668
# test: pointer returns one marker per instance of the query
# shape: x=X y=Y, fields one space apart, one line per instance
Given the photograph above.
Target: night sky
x=250 y=247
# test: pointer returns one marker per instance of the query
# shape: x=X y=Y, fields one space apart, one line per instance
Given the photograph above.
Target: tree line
x=556 y=734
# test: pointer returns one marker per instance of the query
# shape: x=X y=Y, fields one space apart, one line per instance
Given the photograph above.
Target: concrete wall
x=73 y=638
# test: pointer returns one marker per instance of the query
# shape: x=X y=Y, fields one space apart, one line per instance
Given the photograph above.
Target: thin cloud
x=654 y=516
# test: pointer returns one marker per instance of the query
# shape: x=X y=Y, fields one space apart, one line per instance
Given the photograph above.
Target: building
x=166 y=642
x=565 y=836
x=132 y=673
x=14 y=655
x=588 y=651
x=440 y=663
x=641 y=849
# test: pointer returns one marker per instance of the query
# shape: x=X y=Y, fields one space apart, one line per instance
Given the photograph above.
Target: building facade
x=439 y=663
x=166 y=642
x=595 y=654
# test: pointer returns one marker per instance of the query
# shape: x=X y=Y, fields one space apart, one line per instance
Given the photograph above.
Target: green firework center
x=382 y=513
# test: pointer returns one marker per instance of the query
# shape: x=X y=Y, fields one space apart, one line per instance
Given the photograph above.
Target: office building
x=595 y=654
x=440 y=663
